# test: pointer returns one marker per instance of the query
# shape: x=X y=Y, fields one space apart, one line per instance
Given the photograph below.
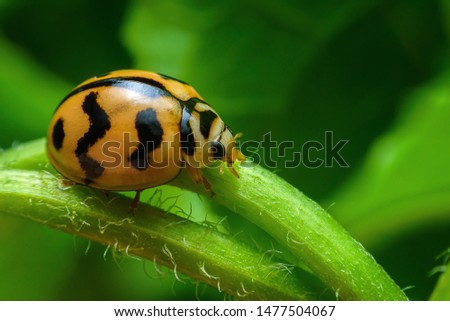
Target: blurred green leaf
x=235 y=52
x=405 y=182
x=445 y=9
x=75 y=40
x=441 y=291
x=30 y=249
x=28 y=95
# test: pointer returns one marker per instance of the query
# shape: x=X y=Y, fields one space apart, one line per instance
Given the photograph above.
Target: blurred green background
x=375 y=73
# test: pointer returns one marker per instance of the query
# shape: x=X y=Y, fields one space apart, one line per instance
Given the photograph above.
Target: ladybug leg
x=232 y=170
x=198 y=178
x=135 y=202
x=64 y=183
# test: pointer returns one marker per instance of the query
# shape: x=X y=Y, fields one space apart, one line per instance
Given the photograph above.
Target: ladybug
x=130 y=130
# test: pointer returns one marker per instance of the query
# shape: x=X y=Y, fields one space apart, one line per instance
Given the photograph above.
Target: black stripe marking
x=217 y=150
x=207 y=118
x=145 y=86
x=187 y=136
x=99 y=124
x=150 y=135
x=190 y=104
x=58 y=134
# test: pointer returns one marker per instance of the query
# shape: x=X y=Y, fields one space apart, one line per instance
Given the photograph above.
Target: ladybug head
x=224 y=148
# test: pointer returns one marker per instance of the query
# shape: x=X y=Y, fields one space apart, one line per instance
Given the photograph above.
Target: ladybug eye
x=217 y=150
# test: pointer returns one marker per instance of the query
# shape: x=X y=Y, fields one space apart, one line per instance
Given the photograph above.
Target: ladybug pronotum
x=129 y=130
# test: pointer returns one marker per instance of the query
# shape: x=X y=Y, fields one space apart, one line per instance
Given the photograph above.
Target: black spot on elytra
x=207 y=118
x=150 y=134
x=58 y=134
x=187 y=136
x=99 y=124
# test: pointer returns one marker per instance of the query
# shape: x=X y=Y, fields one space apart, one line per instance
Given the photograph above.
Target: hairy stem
x=197 y=251
x=260 y=196
x=300 y=224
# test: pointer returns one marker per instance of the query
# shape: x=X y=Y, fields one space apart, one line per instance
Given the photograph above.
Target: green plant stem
x=297 y=222
x=186 y=247
x=263 y=198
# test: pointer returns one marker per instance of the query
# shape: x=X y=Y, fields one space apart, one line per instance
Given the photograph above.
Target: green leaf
x=404 y=184
x=235 y=52
x=442 y=290
x=29 y=248
x=26 y=87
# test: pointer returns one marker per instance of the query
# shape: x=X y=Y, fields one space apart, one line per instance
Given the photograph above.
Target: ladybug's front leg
x=198 y=178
